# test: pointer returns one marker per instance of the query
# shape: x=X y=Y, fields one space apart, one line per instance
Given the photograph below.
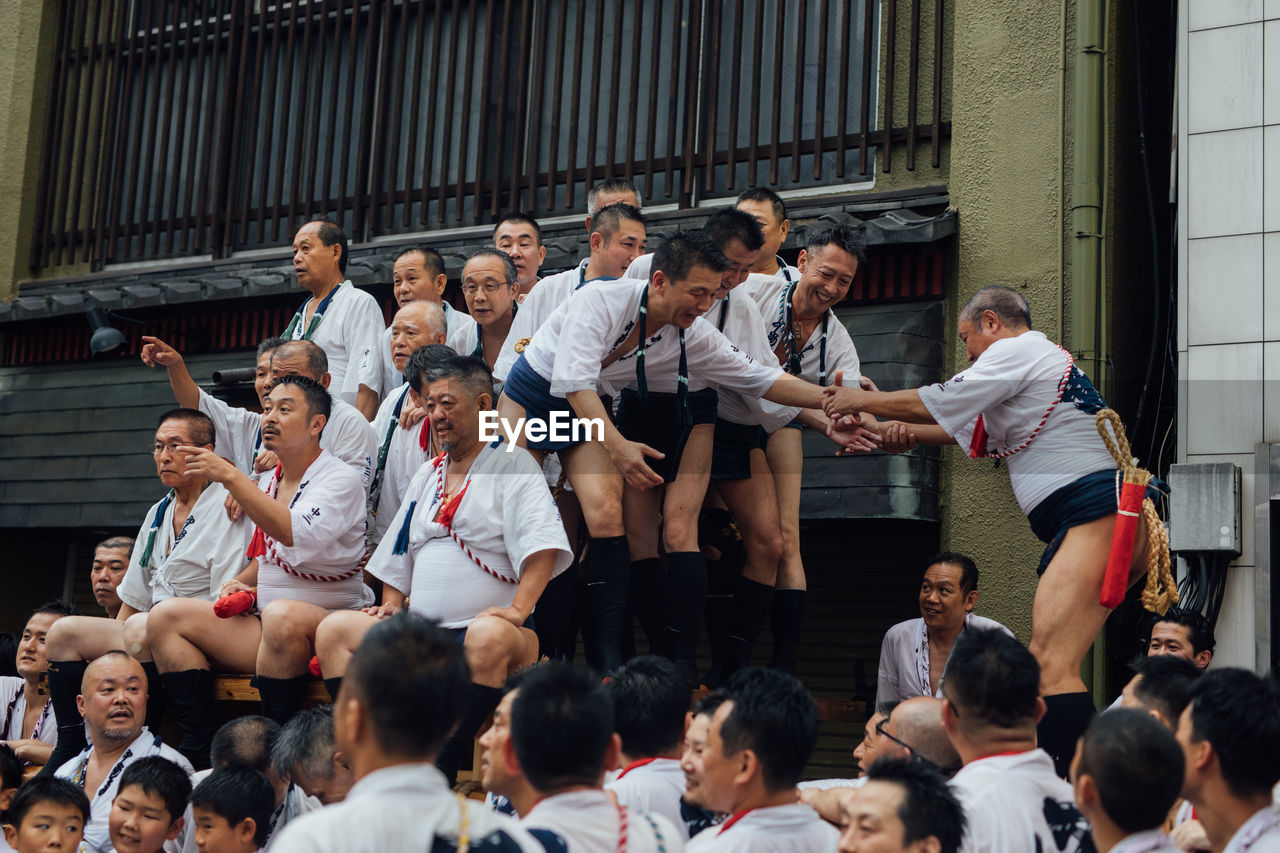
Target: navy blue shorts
x=731 y=456
x=656 y=422
x=460 y=634
x=526 y=387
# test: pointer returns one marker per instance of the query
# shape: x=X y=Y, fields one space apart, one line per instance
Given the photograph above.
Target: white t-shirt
x=641 y=267
x=327 y=514
x=208 y=552
x=377 y=370
x=1151 y=841
x=570 y=346
x=587 y=821
x=1012 y=385
x=1258 y=834
x=13 y=701
x=347 y=435
x=904 y=659
x=546 y=296
x=351 y=322
x=769 y=293
x=776 y=829
x=505 y=516
x=744 y=327
x=828 y=784
x=404 y=457
x=1017 y=802
x=96 y=837
x=655 y=787
x=403 y=807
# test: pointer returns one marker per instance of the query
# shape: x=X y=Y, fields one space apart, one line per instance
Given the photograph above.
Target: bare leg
x=185 y=633
x=83 y=638
x=511 y=411
x=337 y=638
x=754 y=504
x=786 y=460
x=496 y=648
x=598 y=486
x=135 y=638
x=684 y=495
x=288 y=638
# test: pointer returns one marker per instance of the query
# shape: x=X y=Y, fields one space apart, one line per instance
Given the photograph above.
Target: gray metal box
x=1204 y=507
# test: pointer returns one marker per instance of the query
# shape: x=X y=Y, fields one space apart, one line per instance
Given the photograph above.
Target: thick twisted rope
x=1160 y=592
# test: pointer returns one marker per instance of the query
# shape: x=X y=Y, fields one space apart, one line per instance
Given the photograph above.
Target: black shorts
x=731 y=457
x=656 y=422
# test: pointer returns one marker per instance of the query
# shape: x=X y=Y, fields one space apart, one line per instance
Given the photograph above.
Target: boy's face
x=139 y=821
x=47 y=826
x=215 y=834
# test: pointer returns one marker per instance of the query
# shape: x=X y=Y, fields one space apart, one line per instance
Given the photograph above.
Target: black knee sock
x=787 y=612
x=685 y=591
x=458 y=749
x=190 y=695
x=64 y=686
x=608 y=571
x=155 y=696
x=719 y=615
x=1066 y=717
x=281 y=697
x=333 y=685
x=646 y=601
x=751 y=605
x=557 y=627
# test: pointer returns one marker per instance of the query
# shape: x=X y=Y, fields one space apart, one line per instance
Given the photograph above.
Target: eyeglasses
x=158 y=448
x=489 y=288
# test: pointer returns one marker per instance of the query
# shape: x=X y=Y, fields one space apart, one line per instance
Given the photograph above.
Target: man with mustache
x=113 y=701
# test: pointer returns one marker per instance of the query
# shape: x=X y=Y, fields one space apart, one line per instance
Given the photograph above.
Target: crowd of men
x=400 y=520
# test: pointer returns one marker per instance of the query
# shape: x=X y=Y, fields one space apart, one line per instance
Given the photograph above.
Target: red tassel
x=978 y=444
x=257 y=545
x=1116 y=580
x=424 y=435
x=313 y=666
x=235 y=604
x=451 y=508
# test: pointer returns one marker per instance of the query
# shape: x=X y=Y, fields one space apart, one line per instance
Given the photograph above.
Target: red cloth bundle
x=313 y=666
x=235 y=604
x=1116 y=580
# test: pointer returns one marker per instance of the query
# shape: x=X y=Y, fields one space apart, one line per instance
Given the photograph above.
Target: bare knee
x=339 y=634
x=135 y=637
x=763 y=546
x=490 y=643
x=284 y=620
x=63 y=637
x=680 y=532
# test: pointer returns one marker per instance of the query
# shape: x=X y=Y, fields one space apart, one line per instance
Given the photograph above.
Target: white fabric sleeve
x=530 y=520
x=354 y=442
x=386 y=566
x=716 y=361
x=369 y=372
x=582 y=345
x=842 y=355
x=995 y=377
x=523 y=325
x=228 y=559
x=641 y=267
x=135 y=588
x=328 y=507
x=234 y=430
x=363 y=330
x=888 y=676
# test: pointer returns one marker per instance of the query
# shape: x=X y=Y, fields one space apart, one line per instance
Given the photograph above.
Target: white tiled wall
x=1229 y=259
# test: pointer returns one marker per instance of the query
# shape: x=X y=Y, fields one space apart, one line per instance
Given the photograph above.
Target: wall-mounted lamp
x=106 y=339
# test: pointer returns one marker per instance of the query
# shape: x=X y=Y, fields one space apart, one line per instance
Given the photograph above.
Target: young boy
x=47 y=813
x=147 y=810
x=232 y=809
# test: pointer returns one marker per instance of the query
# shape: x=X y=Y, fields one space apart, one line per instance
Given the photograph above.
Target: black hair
x=709 y=703
x=844 y=237
x=519 y=219
x=769 y=196
x=316 y=395
x=1165 y=684
x=1239 y=714
x=245 y=742
x=331 y=232
x=10 y=767
x=612 y=185
x=991 y=678
x=508 y=265
x=156 y=775
x=886 y=708
x=423 y=362
x=1199 y=631
x=725 y=226
x=237 y=793
x=317 y=362
x=682 y=251
x=775 y=717
x=561 y=726
x=431 y=260
x=198 y=423
x=1005 y=302
x=58 y=607
x=113 y=542
x=413 y=680
x=471 y=372
x=46 y=789
x=928 y=808
x=306 y=741
x=269 y=344
x=1136 y=764
x=607 y=220
x=8 y=655
x=650 y=699
x=968 y=568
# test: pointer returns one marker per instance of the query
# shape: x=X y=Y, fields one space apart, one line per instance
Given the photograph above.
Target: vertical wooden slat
x=776 y=124
x=712 y=89
x=377 y=35
x=820 y=96
x=937 y=84
x=541 y=25
x=673 y=115
x=735 y=97
x=255 y=155
x=304 y=107
x=691 y=100
x=593 y=122
x=120 y=122
x=757 y=54
x=615 y=100
x=468 y=100
x=447 y=123
x=520 y=128
x=89 y=144
x=288 y=107
x=484 y=143
x=432 y=120
x=74 y=120
x=575 y=74
x=269 y=83
x=415 y=101
x=395 y=122
x=387 y=122
x=177 y=216
x=141 y=121
x=555 y=124
x=846 y=42
x=797 y=110
x=636 y=116
x=912 y=85
x=314 y=202
x=237 y=55
x=865 y=91
x=651 y=116
x=889 y=28
x=163 y=218
x=64 y=126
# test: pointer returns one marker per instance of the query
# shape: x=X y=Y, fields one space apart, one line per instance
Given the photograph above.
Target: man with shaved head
x=113 y=702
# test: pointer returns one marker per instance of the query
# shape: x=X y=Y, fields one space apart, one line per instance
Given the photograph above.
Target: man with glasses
x=489 y=284
x=186 y=548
